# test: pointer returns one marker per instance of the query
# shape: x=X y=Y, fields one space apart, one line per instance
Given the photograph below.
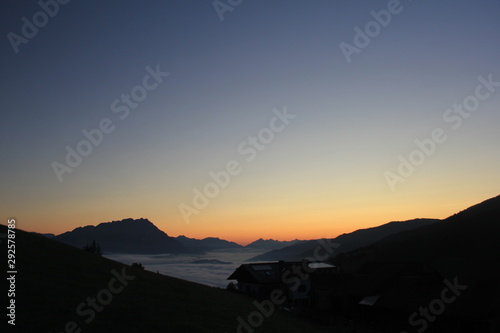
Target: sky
x=247 y=119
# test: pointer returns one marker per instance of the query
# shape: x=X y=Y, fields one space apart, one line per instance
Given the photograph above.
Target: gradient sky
x=321 y=176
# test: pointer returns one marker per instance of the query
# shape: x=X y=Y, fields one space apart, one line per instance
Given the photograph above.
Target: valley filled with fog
x=211 y=268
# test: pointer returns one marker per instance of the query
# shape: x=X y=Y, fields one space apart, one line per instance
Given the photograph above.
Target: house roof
x=261 y=273
x=319 y=265
x=269 y=272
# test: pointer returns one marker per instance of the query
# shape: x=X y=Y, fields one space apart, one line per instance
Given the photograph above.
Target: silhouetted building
x=299 y=281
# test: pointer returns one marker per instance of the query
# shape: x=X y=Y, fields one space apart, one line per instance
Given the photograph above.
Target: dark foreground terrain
x=60 y=288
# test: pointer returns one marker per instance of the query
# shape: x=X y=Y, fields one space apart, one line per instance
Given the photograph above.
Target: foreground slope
x=54 y=280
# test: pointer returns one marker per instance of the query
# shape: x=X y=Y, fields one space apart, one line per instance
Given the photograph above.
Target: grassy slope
x=54 y=278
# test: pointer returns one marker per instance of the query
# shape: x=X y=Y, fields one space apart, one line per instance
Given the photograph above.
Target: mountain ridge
x=465 y=244
x=270 y=244
x=346 y=241
x=129 y=235
x=206 y=244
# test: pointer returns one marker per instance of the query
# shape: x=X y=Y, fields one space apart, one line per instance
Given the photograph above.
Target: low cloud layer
x=182 y=266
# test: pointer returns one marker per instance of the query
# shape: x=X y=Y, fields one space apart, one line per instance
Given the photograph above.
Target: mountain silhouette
x=346 y=242
x=270 y=244
x=206 y=244
x=464 y=244
x=126 y=236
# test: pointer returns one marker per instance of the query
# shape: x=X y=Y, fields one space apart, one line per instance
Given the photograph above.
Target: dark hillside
x=54 y=279
x=465 y=244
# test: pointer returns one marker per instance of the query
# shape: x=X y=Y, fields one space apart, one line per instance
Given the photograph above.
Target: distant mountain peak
x=206 y=244
x=270 y=244
x=124 y=236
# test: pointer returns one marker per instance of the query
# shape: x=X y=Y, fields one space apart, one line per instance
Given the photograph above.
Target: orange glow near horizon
x=296 y=223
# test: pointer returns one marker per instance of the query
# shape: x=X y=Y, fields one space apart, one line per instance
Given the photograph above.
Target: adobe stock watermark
x=120 y=106
x=29 y=28
x=249 y=149
x=372 y=29
x=425 y=315
x=104 y=297
x=291 y=277
x=222 y=6
x=454 y=117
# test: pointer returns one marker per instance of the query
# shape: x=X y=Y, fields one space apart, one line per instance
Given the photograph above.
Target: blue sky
x=322 y=175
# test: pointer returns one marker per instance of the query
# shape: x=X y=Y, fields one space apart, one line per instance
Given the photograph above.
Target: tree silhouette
x=232 y=287
x=93 y=248
x=137 y=265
